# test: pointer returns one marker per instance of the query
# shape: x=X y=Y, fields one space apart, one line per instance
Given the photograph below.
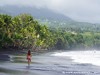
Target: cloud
x=80 y=10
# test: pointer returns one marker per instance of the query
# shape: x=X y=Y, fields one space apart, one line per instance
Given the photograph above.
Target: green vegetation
x=23 y=31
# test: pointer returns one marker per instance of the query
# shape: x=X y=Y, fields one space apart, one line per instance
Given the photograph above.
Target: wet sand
x=43 y=64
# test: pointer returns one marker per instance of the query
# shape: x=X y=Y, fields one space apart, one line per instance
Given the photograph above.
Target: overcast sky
x=79 y=10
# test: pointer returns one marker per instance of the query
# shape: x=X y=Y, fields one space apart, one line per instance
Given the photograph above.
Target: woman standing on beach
x=29 y=57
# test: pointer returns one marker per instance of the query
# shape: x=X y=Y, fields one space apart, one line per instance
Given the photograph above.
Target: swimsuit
x=29 y=57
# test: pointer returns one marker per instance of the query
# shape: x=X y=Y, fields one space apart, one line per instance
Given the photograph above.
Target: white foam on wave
x=92 y=57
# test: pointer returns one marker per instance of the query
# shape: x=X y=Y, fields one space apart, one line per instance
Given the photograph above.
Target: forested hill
x=50 y=18
x=38 y=13
x=50 y=31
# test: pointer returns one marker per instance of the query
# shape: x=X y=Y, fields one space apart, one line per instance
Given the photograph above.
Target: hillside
x=36 y=12
x=50 y=18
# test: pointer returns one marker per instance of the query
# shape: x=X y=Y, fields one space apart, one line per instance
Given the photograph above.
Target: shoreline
x=44 y=64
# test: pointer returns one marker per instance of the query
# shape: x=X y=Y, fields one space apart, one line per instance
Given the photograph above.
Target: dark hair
x=29 y=52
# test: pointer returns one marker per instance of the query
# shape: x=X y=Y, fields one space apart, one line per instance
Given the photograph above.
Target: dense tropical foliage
x=24 y=31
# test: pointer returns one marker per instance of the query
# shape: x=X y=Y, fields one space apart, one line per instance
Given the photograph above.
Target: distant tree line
x=24 y=31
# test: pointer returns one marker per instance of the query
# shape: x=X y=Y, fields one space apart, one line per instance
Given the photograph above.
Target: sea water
x=89 y=56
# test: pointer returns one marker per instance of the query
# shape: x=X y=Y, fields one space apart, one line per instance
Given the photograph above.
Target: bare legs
x=29 y=61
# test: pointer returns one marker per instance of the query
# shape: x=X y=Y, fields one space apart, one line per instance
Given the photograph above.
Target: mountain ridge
x=36 y=12
x=50 y=17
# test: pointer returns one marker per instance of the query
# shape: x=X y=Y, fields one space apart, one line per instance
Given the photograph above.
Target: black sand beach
x=43 y=64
